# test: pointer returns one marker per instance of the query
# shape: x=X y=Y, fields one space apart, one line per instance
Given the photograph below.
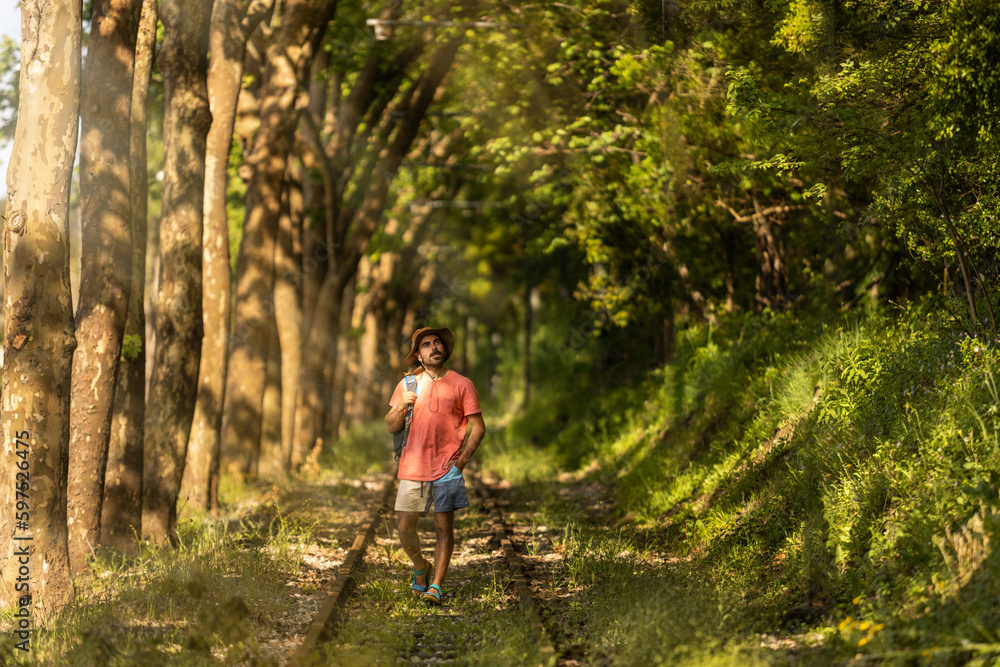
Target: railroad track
x=330 y=615
x=441 y=640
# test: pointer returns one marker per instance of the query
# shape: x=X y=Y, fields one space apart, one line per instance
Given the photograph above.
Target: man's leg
x=444 y=524
x=410 y=542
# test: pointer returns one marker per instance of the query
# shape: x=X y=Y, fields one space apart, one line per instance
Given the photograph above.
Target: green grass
x=203 y=602
x=848 y=469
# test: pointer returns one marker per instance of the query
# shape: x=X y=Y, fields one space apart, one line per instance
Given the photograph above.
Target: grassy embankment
x=787 y=490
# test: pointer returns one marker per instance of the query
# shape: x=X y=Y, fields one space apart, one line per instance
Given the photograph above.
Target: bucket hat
x=446 y=336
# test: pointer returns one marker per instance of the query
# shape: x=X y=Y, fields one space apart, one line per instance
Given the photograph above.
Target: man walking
x=430 y=467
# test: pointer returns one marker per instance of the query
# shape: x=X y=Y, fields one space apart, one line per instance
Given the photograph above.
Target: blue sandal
x=417 y=588
x=430 y=596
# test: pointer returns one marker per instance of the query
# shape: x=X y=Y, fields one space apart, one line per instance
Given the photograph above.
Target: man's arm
x=395 y=419
x=472 y=441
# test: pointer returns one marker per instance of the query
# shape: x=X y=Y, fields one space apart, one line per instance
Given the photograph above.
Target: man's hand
x=395 y=419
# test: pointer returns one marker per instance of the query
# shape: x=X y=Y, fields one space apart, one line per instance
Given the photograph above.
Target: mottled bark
x=38 y=329
x=317 y=225
x=396 y=337
x=320 y=364
x=174 y=381
x=288 y=310
x=270 y=462
x=357 y=363
x=288 y=58
x=371 y=366
x=121 y=516
x=232 y=23
x=338 y=374
x=153 y=266
x=105 y=263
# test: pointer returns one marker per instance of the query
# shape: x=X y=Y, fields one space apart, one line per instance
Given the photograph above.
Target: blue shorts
x=446 y=493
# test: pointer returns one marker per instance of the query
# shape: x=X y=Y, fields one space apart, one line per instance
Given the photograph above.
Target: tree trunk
x=174 y=382
x=319 y=360
x=121 y=516
x=288 y=310
x=269 y=463
x=316 y=227
x=377 y=356
x=665 y=338
x=287 y=57
x=105 y=263
x=38 y=326
x=771 y=283
x=472 y=341
x=398 y=310
x=231 y=25
x=337 y=422
x=152 y=289
x=369 y=348
x=321 y=349
x=360 y=361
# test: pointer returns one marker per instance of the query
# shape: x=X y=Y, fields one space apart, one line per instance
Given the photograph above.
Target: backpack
x=399 y=439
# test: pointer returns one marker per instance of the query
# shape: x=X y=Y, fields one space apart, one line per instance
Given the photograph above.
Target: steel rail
x=329 y=615
x=516 y=567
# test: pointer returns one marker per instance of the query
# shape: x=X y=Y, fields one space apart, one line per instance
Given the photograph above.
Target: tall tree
x=233 y=21
x=38 y=329
x=355 y=227
x=329 y=133
x=288 y=59
x=317 y=193
x=121 y=515
x=288 y=308
x=174 y=380
x=105 y=262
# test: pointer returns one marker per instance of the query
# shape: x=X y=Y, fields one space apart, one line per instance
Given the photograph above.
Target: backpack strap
x=399 y=439
x=411 y=385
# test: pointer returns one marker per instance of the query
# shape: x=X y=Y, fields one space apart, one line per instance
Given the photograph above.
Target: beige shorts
x=445 y=494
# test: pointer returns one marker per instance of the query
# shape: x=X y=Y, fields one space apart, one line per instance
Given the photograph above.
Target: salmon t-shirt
x=437 y=428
